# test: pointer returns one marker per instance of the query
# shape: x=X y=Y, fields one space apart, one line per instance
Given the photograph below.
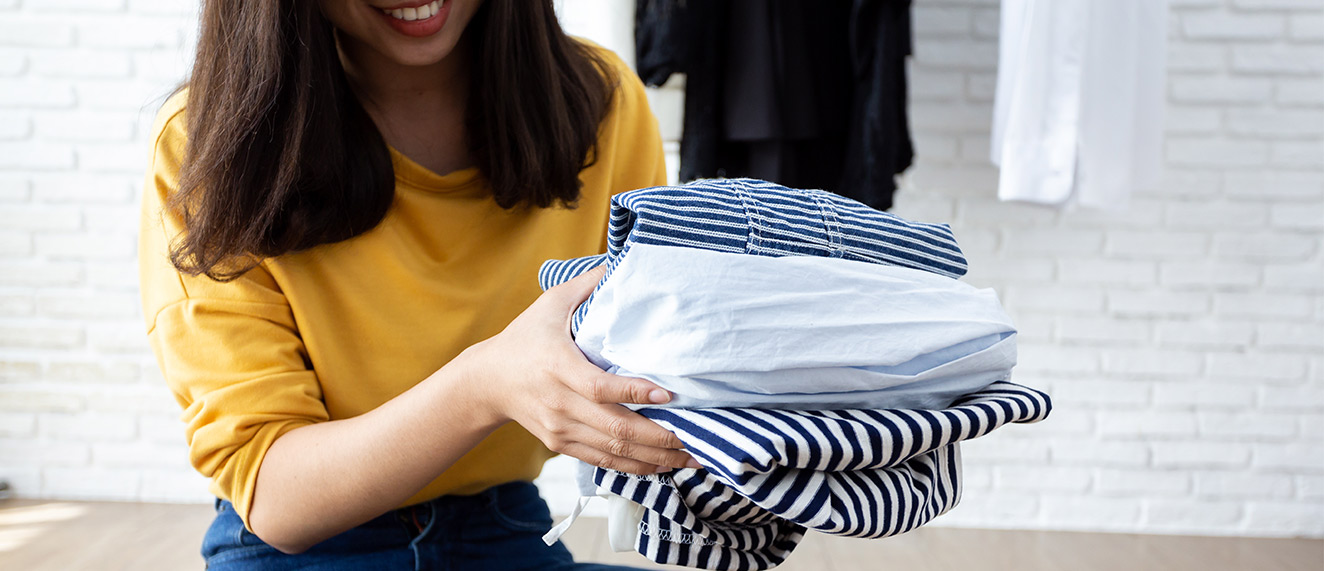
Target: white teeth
x=412 y=14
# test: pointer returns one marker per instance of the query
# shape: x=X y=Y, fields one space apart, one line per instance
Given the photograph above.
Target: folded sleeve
x=230 y=352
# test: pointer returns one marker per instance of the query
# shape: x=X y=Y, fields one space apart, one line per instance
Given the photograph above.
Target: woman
x=342 y=224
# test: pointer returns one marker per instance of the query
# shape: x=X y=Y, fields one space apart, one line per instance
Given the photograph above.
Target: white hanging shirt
x=1078 y=113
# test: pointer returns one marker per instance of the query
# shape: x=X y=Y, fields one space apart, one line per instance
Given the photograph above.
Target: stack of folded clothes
x=825 y=363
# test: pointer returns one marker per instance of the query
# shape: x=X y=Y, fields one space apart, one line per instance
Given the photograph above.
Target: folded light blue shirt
x=745 y=293
x=847 y=359
x=799 y=332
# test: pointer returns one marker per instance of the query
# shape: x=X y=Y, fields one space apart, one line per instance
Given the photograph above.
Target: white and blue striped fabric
x=769 y=474
x=747 y=216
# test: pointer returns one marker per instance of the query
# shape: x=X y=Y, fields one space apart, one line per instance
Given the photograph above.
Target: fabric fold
x=719 y=329
x=825 y=361
x=769 y=475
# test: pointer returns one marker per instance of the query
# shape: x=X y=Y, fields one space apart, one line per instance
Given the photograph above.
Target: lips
x=413 y=13
x=419 y=20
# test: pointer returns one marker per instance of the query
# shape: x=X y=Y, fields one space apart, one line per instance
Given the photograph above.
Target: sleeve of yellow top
x=631 y=135
x=230 y=352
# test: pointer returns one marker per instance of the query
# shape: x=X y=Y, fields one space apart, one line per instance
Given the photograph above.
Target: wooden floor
x=40 y=535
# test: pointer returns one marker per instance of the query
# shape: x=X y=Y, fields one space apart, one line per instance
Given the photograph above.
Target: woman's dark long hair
x=282 y=157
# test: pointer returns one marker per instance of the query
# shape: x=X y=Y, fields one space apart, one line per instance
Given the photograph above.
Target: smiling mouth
x=423 y=12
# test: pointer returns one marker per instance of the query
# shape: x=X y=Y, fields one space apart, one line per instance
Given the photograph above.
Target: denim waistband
x=448 y=506
x=500 y=528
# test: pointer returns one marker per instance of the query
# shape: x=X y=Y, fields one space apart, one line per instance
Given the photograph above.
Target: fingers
x=597 y=457
x=613 y=437
x=621 y=424
x=594 y=428
x=616 y=421
x=617 y=448
x=588 y=380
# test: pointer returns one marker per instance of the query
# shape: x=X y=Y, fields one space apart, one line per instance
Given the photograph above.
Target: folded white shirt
x=798 y=332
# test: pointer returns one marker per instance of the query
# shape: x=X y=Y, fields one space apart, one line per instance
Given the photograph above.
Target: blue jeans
x=500 y=528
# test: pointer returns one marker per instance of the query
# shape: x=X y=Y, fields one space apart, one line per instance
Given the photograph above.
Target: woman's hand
x=321 y=479
x=532 y=373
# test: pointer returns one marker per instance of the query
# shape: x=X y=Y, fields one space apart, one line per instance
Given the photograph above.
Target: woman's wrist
x=470 y=378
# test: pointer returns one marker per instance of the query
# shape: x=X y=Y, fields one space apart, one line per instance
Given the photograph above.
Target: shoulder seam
x=166 y=121
x=187 y=299
x=156 y=145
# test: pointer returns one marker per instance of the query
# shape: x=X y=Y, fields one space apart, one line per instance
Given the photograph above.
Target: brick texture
x=1184 y=331
x=80 y=81
x=1181 y=338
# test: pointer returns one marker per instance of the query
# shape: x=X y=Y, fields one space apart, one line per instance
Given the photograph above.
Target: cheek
x=343 y=16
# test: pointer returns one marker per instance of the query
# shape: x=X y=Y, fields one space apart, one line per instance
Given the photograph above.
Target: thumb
x=574 y=291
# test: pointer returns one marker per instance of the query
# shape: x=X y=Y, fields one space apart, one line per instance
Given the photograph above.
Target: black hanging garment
x=805 y=94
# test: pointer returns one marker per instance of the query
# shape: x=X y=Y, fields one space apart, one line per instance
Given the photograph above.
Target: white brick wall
x=83 y=413
x=1182 y=340
x=1183 y=336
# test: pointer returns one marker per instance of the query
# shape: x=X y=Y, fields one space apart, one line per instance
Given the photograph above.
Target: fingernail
x=662 y=470
x=694 y=464
x=659 y=396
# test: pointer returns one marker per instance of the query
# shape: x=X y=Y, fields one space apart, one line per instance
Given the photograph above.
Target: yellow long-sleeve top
x=337 y=330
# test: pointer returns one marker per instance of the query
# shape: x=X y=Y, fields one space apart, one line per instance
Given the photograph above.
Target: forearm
x=319 y=480
x=322 y=479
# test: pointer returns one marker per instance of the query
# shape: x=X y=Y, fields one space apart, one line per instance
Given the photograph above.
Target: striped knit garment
x=769 y=474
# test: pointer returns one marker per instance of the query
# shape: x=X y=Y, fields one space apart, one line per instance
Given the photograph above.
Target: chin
x=421 y=56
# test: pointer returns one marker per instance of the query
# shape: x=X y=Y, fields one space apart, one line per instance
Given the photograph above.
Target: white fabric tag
x=623 y=517
x=553 y=535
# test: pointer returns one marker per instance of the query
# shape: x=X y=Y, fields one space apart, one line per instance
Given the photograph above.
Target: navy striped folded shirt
x=769 y=474
x=747 y=216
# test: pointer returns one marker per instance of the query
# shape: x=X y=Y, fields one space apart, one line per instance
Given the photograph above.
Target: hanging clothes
x=1078 y=113
x=879 y=146
x=810 y=95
